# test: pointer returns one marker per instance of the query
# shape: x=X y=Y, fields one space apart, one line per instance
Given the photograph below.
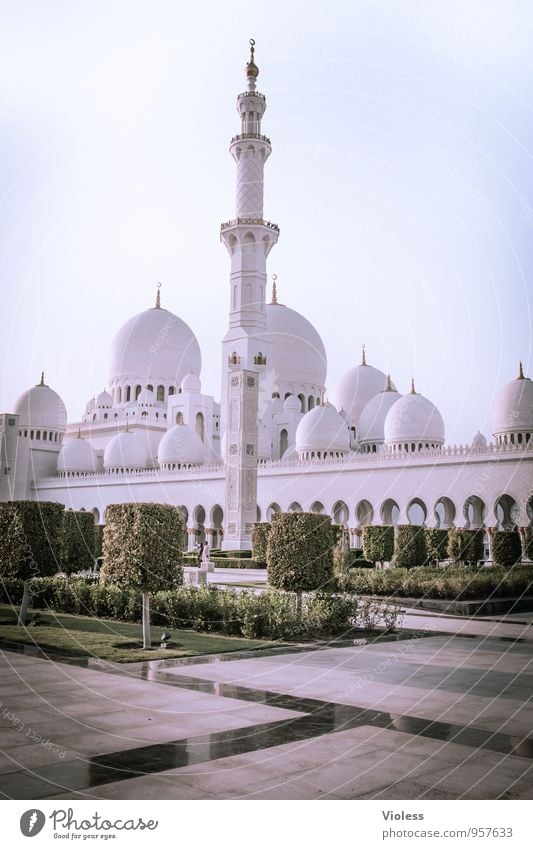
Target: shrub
x=528 y=544
x=236 y=563
x=98 y=540
x=300 y=551
x=436 y=544
x=465 y=545
x=30 y=543
x=409 y=546
x=141 y=551
x=260 y=534
x=78 y=546
x=378 y=543
x=506 y=548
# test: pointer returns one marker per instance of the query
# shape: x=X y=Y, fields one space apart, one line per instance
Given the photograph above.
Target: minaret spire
x=274 y=289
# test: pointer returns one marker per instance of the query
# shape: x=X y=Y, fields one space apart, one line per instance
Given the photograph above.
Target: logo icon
x=32 y=822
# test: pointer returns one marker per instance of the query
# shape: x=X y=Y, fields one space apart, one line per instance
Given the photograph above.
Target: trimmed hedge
x=528 y=544
x=378 y=543
x=436 y=544
x=453 y=582
x=268 y=615
x=141 y=548
x=300 y=551
x=506 y=548
x=409 y=546
x=78 y=545
x=260 y=534
x=236 y=563
x=30 y=538
x=465 y=545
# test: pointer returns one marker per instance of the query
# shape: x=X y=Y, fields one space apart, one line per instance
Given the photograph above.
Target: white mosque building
x=369 y=455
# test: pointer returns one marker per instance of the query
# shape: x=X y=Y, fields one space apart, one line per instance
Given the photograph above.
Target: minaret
x=248 y=238
x=245 y=348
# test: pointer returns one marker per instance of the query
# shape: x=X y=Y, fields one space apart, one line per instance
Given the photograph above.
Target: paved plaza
x=444 y=712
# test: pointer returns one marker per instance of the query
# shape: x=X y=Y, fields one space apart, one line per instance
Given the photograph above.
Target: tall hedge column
x=142 y=550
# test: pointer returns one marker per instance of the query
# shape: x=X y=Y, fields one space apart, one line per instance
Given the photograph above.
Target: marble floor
x=432 y=715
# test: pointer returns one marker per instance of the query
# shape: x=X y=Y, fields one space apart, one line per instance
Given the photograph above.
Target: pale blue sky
x=401 y=178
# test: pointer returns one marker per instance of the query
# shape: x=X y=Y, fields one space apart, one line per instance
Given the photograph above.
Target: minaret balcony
x=255 y=136
x=227 y=225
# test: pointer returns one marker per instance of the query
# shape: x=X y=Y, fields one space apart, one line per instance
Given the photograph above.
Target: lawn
x=85 y=636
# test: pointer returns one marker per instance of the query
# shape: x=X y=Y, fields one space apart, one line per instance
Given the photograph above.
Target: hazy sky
x=401 y=178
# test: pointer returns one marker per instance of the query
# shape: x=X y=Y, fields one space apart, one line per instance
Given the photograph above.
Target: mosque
x=368 y=455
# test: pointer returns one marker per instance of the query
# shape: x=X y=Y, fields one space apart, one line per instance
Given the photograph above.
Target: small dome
x=104 y=400
x=479 y=441
x=413 y=420
x=191 y=383
x=180 y=444
x=292 y=404
x=298 y=354
x=290 y=454
x=322 y=429
x=154 y=345
x=125 y=451
x=371 y=427
x=512 y=411
x=146 y=398
x=90 y=405
x=76 y=455
x=356 y=388
x=40 y=406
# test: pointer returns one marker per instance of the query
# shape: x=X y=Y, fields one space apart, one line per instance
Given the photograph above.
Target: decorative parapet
x=226 y=225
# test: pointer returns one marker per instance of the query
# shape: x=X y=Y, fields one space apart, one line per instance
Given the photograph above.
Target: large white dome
x=372 y=420
x=125 y=451
x=41 y=407
x=180 y=444
x=157 y=346
x=356 y=388
x=76 y=455
x=413 y=420
x=322 y=429
x=298 y=353
x=512 y=411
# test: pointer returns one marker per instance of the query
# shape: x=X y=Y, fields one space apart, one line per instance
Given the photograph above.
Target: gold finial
x=363 y=355
x=158 y=297
x=388 y=387
x=274 y=290
x=251 y=68
x=413 y=390
x=79 y=432
x=521 y=372
x=42 y=383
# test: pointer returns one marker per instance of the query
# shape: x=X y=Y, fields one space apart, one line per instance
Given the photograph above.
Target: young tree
x=30 y=543
x=78 y=548
x=436 y=544
x=142 y=551
x=409 y=546
x=465 y=545
x=506 y=548
x=300 y=553
x=260 y=532
x=378 y=543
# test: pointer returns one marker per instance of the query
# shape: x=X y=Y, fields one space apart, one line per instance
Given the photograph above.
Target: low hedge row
x=269 y=615
x=450 y=583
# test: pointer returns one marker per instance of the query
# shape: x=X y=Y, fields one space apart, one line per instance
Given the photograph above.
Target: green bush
x=506 y=548
x=409 y=546
x=236 y=563
x=528 y=544
x=260 y=534
x=30 y=538
x=78 y=545
x=98 y=540
x=141 y=546
x=300 y=551
x=436 y=544
x=378 y=543
x=465 y=545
